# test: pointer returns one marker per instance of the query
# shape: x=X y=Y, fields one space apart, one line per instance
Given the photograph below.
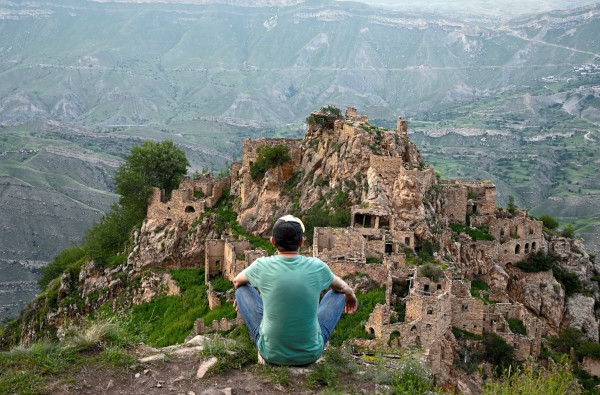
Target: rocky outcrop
x=579 y=314
x=380 y=168
x=173 y=244
x=541 y=294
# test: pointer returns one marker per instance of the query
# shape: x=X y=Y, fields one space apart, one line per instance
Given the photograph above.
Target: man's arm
x=240 y=280
x=340 y=286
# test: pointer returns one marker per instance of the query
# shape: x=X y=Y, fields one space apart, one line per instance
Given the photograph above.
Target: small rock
x=178 y=379
x=226 y=391
x=191 y=393
x=146 y=371
x=188 y=350
x=151 y=358
x=137 y=375
x=197 y=340
x=110 y=384
x=209 y=363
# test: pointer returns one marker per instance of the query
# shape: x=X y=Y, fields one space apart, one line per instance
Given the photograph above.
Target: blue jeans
x=250 y=305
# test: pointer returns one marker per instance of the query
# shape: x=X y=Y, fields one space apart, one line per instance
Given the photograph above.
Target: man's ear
x=272 y=242
x=301 y=242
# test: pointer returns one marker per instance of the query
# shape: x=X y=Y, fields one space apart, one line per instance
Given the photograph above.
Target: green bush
x=589 y=349
x=267 y=158
x=516 y=326
x=412 y=378
x=569 y=280
x=480 y=233
x=511 y=204
x=325 y=118
x=538 y=262
x=549 y=222
x=568 y=231
x=431 y=271
x=61 y=262
x=497 y=351
x=478 y=285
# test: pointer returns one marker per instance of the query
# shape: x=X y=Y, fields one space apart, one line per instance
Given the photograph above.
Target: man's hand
x=351 y=303
x=235 y=305
x=339 y=285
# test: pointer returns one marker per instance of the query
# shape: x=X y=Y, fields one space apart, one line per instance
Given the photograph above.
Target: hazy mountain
x=81 y=82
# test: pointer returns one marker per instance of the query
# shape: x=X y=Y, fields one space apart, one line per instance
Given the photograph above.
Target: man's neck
x=288 y=254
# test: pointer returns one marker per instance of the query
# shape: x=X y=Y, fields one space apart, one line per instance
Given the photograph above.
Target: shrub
x=568 y=231
x=516 y=326
x=325 y=118
x=569 y=280
x=64 y=259
x=532 y=380
x=497 y=351
x=431 y=271
x=267 y=158
x=538 y=262
x=549 y=222
x=511 y=204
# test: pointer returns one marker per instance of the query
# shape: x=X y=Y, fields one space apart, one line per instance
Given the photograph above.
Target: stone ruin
x=433 y=308
x=468 y=197
x=189 y=200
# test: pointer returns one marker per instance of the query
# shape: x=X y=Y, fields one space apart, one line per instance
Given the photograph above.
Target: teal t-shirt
x=290 y=288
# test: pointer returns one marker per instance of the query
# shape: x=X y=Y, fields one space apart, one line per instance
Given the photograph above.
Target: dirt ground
x=178 y=376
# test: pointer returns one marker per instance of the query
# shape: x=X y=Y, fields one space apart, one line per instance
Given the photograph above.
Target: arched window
x=430 y=310
x=533 y=247
x=518 y=249
x=526 y=248
x=190 y=209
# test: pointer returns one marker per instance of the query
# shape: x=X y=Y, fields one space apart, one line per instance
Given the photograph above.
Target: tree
x=511 y=204
x=151 y=164
x=549 y=222
x=568 y=231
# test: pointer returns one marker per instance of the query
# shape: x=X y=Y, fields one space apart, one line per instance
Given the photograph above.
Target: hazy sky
x=496 y=9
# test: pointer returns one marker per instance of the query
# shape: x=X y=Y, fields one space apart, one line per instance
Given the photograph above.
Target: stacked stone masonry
x=189 y=200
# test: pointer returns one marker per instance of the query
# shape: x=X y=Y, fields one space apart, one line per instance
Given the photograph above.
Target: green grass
x=167 y=320
x=352 y=325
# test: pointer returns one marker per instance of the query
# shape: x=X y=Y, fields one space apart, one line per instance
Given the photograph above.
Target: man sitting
x=288 y=324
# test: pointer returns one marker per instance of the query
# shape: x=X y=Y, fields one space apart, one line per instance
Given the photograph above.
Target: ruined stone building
x=189 y=200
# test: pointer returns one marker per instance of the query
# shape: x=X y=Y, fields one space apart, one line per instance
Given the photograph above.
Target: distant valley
x=81 y=82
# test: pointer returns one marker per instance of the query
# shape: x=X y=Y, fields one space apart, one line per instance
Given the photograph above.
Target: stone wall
x=468 y=197
x=250 y=147
x=223 y=257
x=405 y=237
x=353 y=117
x=591 y=365
x=387 y=166
x=517 y=237
x=338 y=245
x=366 y=218
x=223 y=325
x=234 y=263
x=214 y=258
x=402 y=127
x=181 y=206
x=376 y=271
